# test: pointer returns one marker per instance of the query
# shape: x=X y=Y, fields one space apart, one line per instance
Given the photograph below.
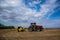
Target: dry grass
x=46 y=34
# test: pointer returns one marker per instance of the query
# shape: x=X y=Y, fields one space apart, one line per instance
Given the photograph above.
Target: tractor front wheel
x=41 y=29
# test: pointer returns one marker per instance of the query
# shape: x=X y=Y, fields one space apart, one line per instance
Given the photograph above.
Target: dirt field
x=46 y=34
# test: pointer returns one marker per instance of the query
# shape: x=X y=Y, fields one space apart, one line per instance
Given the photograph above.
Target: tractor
x=34 y=27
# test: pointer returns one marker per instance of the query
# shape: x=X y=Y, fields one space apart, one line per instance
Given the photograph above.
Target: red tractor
x=34 y=27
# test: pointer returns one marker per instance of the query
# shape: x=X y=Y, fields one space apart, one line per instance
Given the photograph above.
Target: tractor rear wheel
x=30 y=29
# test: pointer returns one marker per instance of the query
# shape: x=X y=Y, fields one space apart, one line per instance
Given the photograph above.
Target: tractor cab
x=33 y=24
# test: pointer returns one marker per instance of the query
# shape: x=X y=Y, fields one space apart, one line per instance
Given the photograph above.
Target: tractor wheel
x=30 y=29
x=37 y=30
x=41 y=29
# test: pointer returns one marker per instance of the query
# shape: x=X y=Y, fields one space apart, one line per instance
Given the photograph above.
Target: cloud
x=5 y=3
x=18 y=13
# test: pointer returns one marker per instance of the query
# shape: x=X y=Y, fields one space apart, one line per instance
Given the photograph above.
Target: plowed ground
x=46 y=34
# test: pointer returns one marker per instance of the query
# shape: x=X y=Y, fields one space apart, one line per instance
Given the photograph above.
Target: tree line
x=6 y=27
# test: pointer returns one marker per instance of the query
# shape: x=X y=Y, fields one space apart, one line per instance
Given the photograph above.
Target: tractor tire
x=37 y=30
x=30 y=29
x=41 y=29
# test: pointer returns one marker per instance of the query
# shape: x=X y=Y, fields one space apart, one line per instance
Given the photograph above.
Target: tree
x=6 y=27
x=1 y=25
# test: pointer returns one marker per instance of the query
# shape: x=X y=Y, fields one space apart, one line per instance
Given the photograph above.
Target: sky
x=24 y=12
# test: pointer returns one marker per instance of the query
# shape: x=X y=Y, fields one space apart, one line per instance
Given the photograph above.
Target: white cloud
x=6 y=3
x=19 y=12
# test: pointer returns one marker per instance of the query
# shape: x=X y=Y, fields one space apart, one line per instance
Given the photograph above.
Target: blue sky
x=23 y=12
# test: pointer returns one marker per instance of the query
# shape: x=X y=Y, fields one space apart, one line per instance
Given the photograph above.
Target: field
x=46 y=34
